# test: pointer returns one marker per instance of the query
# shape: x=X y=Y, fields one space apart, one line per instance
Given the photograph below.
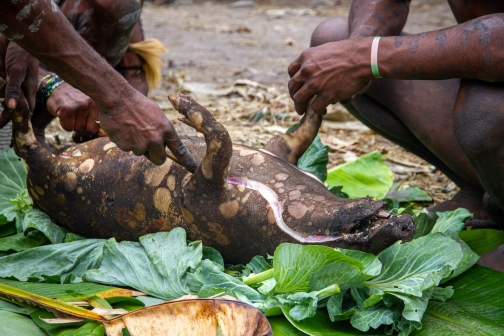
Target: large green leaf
x=57 y=261
x=156 y=266
x=12 y=178
x=415 y=266
x=482 y=240
x=315 y=159
x=366 y=176
x=12 y=324
x=294 y=264
x=476 y=307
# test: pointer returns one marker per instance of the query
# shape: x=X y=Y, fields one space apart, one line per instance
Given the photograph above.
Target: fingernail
x=12 y=103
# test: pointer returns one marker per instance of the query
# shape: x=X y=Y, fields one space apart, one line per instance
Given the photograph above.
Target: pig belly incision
x=272 y=198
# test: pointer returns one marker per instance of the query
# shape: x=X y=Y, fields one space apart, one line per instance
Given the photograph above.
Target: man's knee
x=478 y=119
x=330 y=30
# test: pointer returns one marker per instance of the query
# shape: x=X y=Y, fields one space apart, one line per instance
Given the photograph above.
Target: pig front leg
x=212 y=172
x=292 y=145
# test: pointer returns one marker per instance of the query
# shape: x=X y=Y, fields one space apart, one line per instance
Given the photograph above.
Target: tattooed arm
x=338 y=70
x=129 y=118
x=377 y=18
x=474 y=50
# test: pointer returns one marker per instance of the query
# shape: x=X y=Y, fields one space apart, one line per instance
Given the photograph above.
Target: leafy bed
x=425 y=287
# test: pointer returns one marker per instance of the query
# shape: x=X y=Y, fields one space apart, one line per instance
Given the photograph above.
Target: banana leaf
x=366 y=176
x=482 y=240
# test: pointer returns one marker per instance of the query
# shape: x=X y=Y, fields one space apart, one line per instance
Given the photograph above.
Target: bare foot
x=493 y=259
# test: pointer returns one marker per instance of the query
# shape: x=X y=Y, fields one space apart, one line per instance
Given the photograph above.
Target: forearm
x=43 y=30
x=472 y=50
x=377 y=18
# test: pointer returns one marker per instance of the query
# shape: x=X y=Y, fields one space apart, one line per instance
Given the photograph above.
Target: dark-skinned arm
x=341 y=69
x=377 y=18
x=131 y=120
x=313 y=68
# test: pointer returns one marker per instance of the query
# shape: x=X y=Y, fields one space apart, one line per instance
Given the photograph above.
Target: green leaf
x=293 y=265
x=305 y=305
x=482 y=240
x=125 y=302
x=415 y=266
x=19 y=242
x=476 y=307
x=469 y=257
x=372 y=265
x=424 y=221
x=282 y=327
x=14 y=308
x=338 y=192
x=337 y=310
x=451 y=220
x=173 y=257
x=341 y=273
x=58 y=261
x=38 y=220
x=374 y=317
x=85 y=328
x=214 y=281
x=213 y=255
x=7 y=229
x=129 y=264
x=149 y=300
x=12 y=324
x=321 y=325
x=68 y=292
x=366 y=176
x=258 y=265
x=315 y=159
x=411 y=194
x=12 y=177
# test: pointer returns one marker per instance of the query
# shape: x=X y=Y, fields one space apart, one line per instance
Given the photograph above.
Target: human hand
x=76 y=111
x=22 y=75
x=20 y=70
x=333 y=72
x=139 y=125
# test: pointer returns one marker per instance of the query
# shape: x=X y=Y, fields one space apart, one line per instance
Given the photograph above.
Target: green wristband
x=374 y=57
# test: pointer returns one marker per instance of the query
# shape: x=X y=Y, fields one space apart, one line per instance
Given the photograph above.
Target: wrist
x=46 y=87
x=362 y=57
x=115 y=99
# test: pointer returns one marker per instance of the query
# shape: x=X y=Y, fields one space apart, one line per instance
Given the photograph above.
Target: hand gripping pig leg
x=292 y=145
x=214 y=167
x=24 y=138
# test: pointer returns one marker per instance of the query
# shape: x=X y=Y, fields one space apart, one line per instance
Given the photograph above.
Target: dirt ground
x=233 y=60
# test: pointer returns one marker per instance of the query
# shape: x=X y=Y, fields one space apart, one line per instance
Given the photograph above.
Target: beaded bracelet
x=45 y=92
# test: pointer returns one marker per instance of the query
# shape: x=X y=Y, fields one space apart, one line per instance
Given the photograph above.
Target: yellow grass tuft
x=150 y=50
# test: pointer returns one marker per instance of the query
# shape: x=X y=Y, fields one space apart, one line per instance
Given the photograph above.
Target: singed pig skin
x=102 y=192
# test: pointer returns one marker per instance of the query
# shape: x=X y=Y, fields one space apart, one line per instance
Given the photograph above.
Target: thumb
x=13 y=88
